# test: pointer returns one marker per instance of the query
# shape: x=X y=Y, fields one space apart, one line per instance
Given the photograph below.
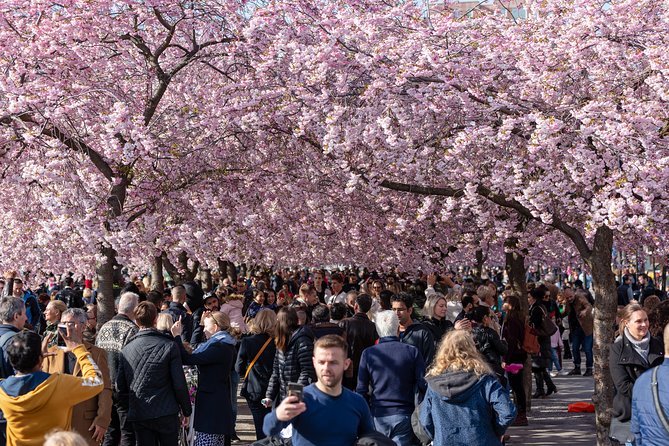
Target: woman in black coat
x=293 y=359
x=213 y=423
x=633 y=352
x=513 y=332
x=540 y=361
x=257 y=374
x=434 y=313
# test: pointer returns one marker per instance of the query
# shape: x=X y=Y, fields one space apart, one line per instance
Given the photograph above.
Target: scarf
x=220 y=336
x=641 y=347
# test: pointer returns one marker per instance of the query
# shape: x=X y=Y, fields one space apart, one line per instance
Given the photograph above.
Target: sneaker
x=588 y=372
x=575 y=372
x=554 y=373
x=563 y=372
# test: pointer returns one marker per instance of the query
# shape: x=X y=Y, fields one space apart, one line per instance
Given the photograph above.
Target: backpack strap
x=656 y=400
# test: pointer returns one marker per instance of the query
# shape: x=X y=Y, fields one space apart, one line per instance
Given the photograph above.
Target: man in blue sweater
x=390 y=377
x=329 y=414
x=647 y=425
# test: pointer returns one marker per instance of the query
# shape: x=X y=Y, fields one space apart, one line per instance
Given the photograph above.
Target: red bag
x=581 y=407
x=530 y=341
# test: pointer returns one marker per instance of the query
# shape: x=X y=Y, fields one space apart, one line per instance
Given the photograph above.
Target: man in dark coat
x=360 y=333
x=413 y=332
x=151 y=377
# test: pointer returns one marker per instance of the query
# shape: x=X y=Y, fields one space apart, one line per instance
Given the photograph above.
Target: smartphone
x=62 y=330
x=297 y=390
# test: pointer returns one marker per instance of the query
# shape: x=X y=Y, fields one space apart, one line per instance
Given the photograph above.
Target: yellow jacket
x=37 y=403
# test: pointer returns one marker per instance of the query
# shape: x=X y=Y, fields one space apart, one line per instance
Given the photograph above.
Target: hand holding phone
x=295 y=389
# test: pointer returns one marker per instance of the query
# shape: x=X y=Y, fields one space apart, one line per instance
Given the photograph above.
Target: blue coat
x=646 y=426
x=463 y=409
x=213 y=406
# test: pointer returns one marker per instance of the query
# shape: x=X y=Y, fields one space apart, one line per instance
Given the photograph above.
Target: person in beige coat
x=90 y=418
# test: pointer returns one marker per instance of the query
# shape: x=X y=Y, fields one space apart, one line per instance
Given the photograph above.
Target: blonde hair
x=457 y=351
x=625 y=315
x=431 y=303
x=264 y=322
x=165 y=322
x=63 y=438
x=58 y=305
x=484 y=292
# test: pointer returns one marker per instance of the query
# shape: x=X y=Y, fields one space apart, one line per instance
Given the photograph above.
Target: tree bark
x=227 y=269
x=205 y=278
x=157 y=277
x=480 y=259
x=105 y=275
x=517 y=273
x=603 y=281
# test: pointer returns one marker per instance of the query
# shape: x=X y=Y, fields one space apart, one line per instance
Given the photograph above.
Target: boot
x=588 y=372
x=538 y=380
x=521 y=419
x=550 y=387
x=575 y=372
x=567 y=351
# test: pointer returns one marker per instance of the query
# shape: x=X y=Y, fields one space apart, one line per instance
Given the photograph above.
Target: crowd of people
x=322 y=357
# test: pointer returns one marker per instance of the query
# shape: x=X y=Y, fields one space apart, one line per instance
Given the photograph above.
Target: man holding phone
x=90 y=418
x=324 y=413
x=35 y=402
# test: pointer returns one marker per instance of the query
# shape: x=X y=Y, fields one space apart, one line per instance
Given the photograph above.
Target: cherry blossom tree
x=560 y=118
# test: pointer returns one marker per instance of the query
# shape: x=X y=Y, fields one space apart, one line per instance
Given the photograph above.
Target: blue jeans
x=396 y=427
x=554 y=360
x=580 y=340
x=234 y=384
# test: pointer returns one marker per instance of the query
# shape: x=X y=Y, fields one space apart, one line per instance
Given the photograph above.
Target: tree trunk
x=517 y=273
x=105 y=296
x=603 y=281
x=157 y=278
x=227 y=269
x=205 y=278
x=480 y=259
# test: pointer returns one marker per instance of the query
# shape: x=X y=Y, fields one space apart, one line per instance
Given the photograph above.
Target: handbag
x=530 y=341
x=547 y=327
x=621 y=431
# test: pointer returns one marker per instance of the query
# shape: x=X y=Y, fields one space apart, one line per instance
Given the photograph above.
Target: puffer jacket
x=150 y=379
x=646 y=425
x=293 y=365
x=461 y=408
x=626 y=365
x=233 y=309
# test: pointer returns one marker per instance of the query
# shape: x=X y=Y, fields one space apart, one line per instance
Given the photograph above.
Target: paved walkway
x=550 y=423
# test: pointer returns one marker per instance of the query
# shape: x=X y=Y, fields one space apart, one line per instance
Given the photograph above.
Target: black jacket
x=6 y=369
x=255 y=385
x=438 y=328
x=491 y=347
x=420 y=337
x=360 y=333
x=293 y=365
x=325 y=328
x=626 y=365
x=150 y=379
x=176 y=310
